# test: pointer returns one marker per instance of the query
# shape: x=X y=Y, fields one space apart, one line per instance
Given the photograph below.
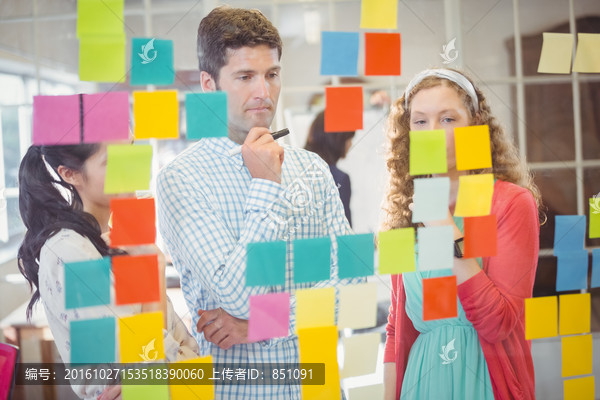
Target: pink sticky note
x=105 y=117
x=56 y=120
x=269 y=316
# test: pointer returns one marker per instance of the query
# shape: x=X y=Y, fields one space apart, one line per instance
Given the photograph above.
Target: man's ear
x=68 y=175
x=207 y=82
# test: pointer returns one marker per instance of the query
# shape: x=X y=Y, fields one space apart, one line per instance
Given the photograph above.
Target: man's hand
x=111 y=393
x=262 y=155
x=221 y=328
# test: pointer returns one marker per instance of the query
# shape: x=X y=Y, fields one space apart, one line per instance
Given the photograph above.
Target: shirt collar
x=222 y=146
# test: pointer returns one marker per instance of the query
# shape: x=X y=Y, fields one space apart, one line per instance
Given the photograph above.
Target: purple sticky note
x=105 y=117
x=269 y=316
x=56 y=120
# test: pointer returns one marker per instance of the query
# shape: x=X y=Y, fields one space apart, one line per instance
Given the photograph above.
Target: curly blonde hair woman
x=490 y=356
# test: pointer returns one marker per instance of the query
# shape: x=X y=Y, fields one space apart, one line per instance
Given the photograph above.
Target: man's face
x=252 y=83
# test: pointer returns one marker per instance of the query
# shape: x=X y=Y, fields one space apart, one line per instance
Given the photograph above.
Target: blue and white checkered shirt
x=210 y=208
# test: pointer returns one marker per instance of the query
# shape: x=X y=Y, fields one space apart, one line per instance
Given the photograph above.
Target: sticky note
x=569 y=233
x=378 y=14
x=99 y=17
x=360 y=354
x=56 y=120
x=557 y=52
x=152 y=391
x=265 y=263
x=343 y=109
x=474 y=195
x=430 y=199
x=128 y=168
x=339 y=53
x=576 y=355
x=397 y=251
x=587 y=56
x=315 y=307
x=105 y=117
x=472 y=147
x=595 y=268
x=312 y=259
x=574 y=313
x=133 y=222
x=481 y=236
x=156 y=114
x=439 y=298
x=87 y=283
x=206 y=115
x=369 y=392
x=572 y=270
x=579 y=389
x=151 y=62
x=382 y=53
x=102 y=58
x=269 y=316
x=201 y=391
x=319 y=345
x=141 y=337
x=541 y=317
x=428 y=152
x=93 y=340
x=355 y=255
x=357 y=306
x=594 y=218
x=136 y=279
x=436 y=247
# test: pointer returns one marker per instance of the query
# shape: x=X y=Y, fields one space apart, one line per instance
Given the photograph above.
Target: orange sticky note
x=574 y=312
x=579 y=389
x=472 y=146
x=481 y=236
x=576 y=355
x=541 y=317
x=204 y=391
x=319 y=345
x=156 y=114
x=343 y=109
x=136 y=279
x=141 y=337
x=132 y=222
x=439 y=298
x=382 y=53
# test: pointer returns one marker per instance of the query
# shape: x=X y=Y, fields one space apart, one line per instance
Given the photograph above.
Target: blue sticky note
x=87 y=283
x=436 y=247
x=339 y=53
x=312 y=260
x=265 y=263
x=356 y=255
x=431 y=199
x=569 y=233
x=595 y=268
x=572 y=271
x=93 y=340
x=206 y=115
x=151 y=62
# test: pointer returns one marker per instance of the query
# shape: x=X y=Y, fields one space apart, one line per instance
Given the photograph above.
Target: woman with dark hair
x=331 y=146
x=67 y=217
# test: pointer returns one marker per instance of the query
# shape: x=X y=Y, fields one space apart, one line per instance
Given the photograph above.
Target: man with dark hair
x=212 y=204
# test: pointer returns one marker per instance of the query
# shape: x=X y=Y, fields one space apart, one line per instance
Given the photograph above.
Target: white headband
x=448 y=74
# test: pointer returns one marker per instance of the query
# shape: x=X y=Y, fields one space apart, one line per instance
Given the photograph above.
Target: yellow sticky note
x=360 y=354
x=379 y=14
x=370 y=392
x=102 y=58
x=541 y=317
x=204 y=391
x=594 y=231
x=587 y=57
x=397 y=251
x=141 y=337
x=557 y=53
x=576 y=355
x=574 y=313
x=472 y=147
x=319 y=345
x=357 y=306
x=156 y=114
x=579 y=389
x=128 y=168
x=315 y=307
x=99 y=17
x=474 y=195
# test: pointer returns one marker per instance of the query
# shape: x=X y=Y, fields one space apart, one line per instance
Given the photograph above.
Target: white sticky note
x=358 y=306
x=436 y=247
x=431 y=199
x=360 y=354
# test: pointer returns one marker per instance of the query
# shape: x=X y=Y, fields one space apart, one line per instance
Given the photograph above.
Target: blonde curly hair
x=506 y=164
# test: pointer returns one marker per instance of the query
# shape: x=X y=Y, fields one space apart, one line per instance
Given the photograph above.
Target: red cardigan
x=493 y=299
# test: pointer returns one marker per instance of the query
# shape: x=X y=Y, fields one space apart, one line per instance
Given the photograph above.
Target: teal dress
x=446 y=360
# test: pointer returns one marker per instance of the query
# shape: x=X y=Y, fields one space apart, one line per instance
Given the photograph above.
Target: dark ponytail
x=45 y=210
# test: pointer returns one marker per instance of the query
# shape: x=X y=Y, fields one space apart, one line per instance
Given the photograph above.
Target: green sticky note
x=397 y=251
x=87 y=283
x=428 y=152
x=151 y=62
x=102 y=58
x=355 y=255
x=93 y=340
x=265 y=263
x=127 y=168
x=206 y=115
x=99 y=17
x=595 y=217
x=131 y=389
x=312 y=260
